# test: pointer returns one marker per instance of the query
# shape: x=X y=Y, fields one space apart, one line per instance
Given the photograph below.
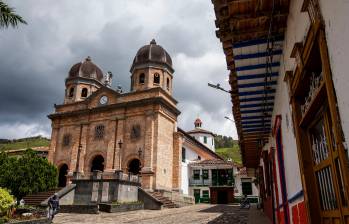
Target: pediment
x=102 y=97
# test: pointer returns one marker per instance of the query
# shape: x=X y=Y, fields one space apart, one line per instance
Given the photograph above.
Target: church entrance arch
x=97 y=163
x=62 y=177
x=134 y=166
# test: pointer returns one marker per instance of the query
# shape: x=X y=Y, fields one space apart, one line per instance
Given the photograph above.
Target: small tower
x=198 y=123
x=151 y=68
x=202 y=135
x=84 y=78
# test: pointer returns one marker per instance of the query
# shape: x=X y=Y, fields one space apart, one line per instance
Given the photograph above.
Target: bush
x=27 y=175
x=6 y=201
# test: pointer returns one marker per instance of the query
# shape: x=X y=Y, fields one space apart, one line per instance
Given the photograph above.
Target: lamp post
x=120 y=146
x=229 y=119
x=218 y=86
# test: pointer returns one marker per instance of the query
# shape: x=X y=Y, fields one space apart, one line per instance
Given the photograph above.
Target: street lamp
x=229 y=119
x=120 y=145
x=218 y=86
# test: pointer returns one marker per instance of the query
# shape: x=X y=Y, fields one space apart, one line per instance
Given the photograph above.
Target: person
x=53 y=206
x=245 y=203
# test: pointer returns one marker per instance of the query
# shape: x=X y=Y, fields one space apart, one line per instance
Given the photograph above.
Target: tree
x=6 y=201
x=8 y=17
x=27 y=175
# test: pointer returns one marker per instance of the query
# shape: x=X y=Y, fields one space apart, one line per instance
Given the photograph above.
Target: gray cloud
x=35 y=59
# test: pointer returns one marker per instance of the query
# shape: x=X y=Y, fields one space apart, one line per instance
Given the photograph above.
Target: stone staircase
x=36 y=199
x=167 y=203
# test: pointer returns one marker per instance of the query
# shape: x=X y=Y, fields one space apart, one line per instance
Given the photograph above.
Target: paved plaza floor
x=196 y=214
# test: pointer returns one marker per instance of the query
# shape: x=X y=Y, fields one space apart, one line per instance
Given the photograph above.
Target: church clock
x=103 y=100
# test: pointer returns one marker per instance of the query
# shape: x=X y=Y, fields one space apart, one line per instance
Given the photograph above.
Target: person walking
x=53 y=206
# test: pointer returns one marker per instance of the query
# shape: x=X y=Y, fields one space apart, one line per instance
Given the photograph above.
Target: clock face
x=103 y=100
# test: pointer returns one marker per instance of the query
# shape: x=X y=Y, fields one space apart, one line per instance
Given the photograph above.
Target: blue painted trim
x=292 y=199
x=256 y=55
x=257 y=125
x=296 y=196
x=256 y=76
x=254 y=42
x=256 y=99
x=263 y=130
x=255 y=111
x=256 y=105
x=254 y=117
x=267 y=120
x=251 y=67
x=256 y=92
x=256 y=84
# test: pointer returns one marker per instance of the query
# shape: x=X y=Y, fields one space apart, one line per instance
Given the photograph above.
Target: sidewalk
x=256 y=216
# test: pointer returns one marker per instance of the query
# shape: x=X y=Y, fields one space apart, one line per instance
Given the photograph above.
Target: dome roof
x=86 y=69
x=198 y=121
x=152 y=53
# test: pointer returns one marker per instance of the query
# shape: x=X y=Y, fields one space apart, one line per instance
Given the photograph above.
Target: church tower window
x=99 y=131
x=66 y=139
x=84 y=92
x=156 y=78
x=142 y=78
x=168 y=84
x=71 y=92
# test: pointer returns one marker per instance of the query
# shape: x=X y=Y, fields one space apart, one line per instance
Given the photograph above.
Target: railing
x=208 y=182
x=200 y=182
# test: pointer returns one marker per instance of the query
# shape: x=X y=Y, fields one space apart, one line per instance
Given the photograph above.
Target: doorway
x=97 y=163
x=62 y=177
x=197 y=195
x=222 y=197
x=134 y=166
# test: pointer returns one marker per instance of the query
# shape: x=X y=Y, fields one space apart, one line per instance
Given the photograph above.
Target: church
x=99 y=128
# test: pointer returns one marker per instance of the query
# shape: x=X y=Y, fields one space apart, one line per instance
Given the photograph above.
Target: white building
x=289 y=83
x=202 y=135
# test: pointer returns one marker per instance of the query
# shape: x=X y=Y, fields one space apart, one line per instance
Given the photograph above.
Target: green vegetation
x=224 y=141
x=23 y=143
x=8 y=17
x=27 y=175
x=232 y=153
x=6 y=201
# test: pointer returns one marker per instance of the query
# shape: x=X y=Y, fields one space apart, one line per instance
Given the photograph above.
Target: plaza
x=195 y=214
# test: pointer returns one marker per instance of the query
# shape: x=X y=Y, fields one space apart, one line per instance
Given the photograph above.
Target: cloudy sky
x=35 y=59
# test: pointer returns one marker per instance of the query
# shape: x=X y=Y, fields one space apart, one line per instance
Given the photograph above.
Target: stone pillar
x=110 y=136
x=147 y=162
x=53 y=143
x=84 y=143
x=177 y=160
x=74 y=150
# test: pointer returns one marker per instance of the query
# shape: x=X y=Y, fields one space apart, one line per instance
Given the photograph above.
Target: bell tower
x=84 y=78
x=151 y=68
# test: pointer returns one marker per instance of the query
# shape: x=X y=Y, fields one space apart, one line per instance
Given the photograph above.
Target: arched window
x=142 y=78
x=156 y=78
x=168 y=84
x=71 y=92
x=84 y=92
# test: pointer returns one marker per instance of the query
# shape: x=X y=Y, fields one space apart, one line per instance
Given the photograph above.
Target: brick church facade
x=99 y=128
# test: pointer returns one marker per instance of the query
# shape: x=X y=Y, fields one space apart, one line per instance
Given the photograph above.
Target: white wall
x=200 y=137
x=190 y=155
x=335 y=15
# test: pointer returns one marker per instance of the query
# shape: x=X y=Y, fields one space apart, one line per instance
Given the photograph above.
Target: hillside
x=6 y=144
x=232 y=153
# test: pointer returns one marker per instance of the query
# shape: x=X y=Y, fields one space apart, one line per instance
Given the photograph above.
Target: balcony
x=210 y=183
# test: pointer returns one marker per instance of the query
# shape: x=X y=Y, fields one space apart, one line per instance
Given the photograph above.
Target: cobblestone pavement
x=196 y=214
